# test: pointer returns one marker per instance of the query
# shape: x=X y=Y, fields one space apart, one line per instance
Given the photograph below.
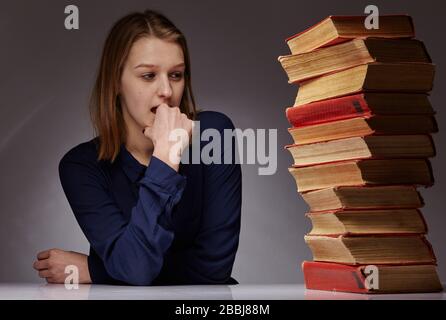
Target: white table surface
x=31 y=291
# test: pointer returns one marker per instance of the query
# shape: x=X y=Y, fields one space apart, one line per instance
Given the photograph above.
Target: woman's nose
x=164 y=88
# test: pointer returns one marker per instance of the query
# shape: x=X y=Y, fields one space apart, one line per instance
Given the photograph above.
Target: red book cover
x=334 y=277
x=328 y=110
x=341 y=108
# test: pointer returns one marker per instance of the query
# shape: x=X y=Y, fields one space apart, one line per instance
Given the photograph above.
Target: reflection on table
x=201 y=292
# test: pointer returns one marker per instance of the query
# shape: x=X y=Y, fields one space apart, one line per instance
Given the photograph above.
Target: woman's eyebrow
x=147 y=65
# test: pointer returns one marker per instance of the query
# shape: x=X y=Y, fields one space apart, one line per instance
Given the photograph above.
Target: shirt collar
x=132 y=168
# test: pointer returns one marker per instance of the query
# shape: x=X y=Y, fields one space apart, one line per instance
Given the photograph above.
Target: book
x=364 y=104
x=385 y=77
x=368 y=147
x=371 y=249
x=391 y=278
x=304 y=66
x=336 y=29
x=360 y=197
x=361 y=125
x=363 y=222
x=364 y=126
x=363 y=172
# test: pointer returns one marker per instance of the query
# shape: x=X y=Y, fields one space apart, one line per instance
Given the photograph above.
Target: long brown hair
x=105 y=109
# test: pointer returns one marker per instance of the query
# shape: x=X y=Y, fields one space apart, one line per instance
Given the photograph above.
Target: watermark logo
x=372 y=277
x=250 y=147
x=372 y=20
x=72 y=280
x=72 y=20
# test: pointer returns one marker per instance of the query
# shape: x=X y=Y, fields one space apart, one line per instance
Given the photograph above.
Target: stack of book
x=362 y=125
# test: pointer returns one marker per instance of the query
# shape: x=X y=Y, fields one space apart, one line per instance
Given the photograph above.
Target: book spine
x=426 y=228
x=328 y=110
x=431 y=173
x=349 y=210
x=433 y=145
x=431 y=249
x=329 y=276
x=371 y=234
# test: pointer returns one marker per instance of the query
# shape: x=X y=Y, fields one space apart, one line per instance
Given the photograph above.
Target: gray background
x=47 y=73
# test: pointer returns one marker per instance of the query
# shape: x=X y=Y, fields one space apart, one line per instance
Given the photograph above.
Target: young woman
x=149 y=220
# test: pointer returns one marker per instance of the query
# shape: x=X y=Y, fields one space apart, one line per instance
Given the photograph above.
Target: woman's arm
x=211 y=258
x=132 y=251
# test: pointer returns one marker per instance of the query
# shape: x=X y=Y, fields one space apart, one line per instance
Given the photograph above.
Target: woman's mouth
x=153 y=109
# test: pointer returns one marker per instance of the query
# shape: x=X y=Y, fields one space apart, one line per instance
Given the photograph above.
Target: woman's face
x=153 y=74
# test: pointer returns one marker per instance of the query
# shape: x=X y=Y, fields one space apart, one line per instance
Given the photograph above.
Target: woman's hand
x=167 y=119
x=51 y=265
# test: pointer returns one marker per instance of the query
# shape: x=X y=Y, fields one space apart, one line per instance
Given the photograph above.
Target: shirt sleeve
x=132 y=251
x=210 y=259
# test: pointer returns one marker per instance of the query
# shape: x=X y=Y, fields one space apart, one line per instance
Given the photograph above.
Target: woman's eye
x=177 y=75
x=151 y=76
x=148 y=76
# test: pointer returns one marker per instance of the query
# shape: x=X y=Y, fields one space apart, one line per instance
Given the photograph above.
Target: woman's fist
x=51 y=265
x=170 y=133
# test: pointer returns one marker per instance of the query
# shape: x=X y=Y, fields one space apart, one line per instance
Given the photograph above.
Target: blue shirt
x=151 y=225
